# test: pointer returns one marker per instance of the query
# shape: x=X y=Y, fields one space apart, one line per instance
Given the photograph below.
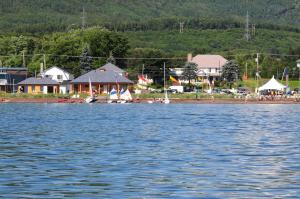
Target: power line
x=144 y=58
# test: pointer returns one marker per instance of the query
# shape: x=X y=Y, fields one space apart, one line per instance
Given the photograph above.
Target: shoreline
x=145 y=101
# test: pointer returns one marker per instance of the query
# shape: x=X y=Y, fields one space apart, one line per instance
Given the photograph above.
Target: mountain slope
x=54 y=15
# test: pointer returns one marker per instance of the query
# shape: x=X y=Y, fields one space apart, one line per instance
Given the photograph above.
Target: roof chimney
x=189 y=57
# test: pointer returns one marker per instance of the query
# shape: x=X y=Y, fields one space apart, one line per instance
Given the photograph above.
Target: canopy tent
x=272 y=84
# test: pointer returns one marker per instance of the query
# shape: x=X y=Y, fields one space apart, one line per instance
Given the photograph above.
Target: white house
x=59 y=75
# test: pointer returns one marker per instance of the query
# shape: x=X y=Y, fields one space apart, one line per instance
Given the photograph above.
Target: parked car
x=171 y=91
x=216 y=90
x=243 y=91
x=177 y=89
x=226 y=91
x=188 y=90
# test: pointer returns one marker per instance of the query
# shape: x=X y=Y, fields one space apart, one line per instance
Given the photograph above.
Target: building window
x=33 y=88
x=59 y=77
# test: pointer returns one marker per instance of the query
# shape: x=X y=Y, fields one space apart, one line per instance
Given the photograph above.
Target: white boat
x=166 y=99
x=113 y=96
x=125 y=96
x=91 y=98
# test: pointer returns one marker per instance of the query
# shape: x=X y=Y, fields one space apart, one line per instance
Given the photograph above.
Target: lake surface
x=149 y=151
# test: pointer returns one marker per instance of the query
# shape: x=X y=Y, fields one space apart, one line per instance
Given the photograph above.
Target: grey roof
x=111 y=67
x=13 y=68
x=99 y=76
x=38 y=81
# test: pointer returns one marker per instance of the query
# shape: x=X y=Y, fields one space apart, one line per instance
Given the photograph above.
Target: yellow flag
x=173 y=79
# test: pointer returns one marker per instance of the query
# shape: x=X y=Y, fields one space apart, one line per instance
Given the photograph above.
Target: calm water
x=149 y=151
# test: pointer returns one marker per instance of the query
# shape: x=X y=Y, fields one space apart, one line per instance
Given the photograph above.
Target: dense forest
x=38 y=16
x=36 y=31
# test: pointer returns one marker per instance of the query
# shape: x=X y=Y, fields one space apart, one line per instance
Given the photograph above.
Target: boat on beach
x=166 y=99
x=125 y=97
x=113 y=96
x=91 y=98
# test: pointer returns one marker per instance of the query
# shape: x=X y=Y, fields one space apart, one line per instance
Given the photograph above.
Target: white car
x=179 y=89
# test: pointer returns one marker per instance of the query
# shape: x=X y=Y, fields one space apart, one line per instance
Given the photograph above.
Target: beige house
x=208 y=65
x=34 y=85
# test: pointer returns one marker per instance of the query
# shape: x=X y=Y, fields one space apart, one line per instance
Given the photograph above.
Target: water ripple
x=149 y=151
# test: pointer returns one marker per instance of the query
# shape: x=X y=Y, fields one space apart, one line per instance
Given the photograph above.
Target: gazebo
x=272 y=85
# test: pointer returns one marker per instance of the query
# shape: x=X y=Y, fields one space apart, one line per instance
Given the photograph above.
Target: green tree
x=103 y=42
x=86 y=61
x=230 y=73
x=153 y=65
x=190 y=71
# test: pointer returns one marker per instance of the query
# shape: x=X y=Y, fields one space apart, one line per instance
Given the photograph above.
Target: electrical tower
x=83 y=18
x=181 y=26
x=253 y=30
x=247 y=32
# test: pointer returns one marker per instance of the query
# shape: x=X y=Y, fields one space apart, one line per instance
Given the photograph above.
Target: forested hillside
x=58 y=15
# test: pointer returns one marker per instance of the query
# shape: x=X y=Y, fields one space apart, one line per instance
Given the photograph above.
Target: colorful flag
x=142 y=78
x=173 y=79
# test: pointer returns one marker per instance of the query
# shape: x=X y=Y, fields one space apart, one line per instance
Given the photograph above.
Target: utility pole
x=44 y=57
x=143 y=70
x=24 y=61
x=83 y=19
x=181 y=26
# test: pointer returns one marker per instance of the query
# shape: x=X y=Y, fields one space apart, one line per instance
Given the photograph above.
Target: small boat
x=91 y=98
x=166 y=100
x=125 y=97
x=113 y=96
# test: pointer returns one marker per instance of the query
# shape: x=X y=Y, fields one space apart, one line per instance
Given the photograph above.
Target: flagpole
x=257 y=64
x=165 y=76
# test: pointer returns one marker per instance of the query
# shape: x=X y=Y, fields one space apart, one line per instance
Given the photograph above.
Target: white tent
x=273 y=84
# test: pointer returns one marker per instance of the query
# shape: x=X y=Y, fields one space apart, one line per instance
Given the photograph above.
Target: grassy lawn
x=31 y=96
x=251 y=83
x=182 y=96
